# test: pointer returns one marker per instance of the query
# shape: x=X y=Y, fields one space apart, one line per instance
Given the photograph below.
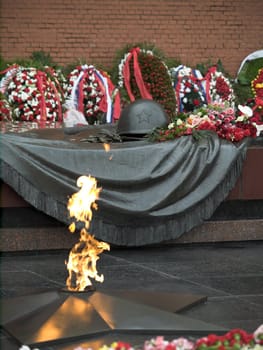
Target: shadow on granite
x=230 y=275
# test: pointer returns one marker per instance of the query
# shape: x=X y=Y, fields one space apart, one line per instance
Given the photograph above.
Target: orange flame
x=83 y=257
x=106 y=147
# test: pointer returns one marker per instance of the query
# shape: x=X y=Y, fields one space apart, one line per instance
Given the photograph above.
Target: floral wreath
x=256 y=103
x=139 y=78
x=257 y=88
x=92 y=93
x=5 y=110
x=189 y=88
x=31 y=94
x=124 y=73
x=218 y=87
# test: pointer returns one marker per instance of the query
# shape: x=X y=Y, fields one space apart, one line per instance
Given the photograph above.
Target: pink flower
x=230 y=111
x=258 y=334
x=183 y=343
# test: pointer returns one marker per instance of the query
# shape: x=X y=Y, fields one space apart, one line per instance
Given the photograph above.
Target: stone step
x=55 y=238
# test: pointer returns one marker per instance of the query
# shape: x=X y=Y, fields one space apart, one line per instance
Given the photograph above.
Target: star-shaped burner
x=55 y=317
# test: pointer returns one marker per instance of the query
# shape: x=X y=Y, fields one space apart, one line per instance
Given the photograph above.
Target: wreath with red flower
x=31 y=94
x=257 y=90
x=142 y=74
x=256 y=103
x=218 y=87
x=257 y=84
x=92 y=93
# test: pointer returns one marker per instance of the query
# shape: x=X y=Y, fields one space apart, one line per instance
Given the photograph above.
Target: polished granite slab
x=229 y=274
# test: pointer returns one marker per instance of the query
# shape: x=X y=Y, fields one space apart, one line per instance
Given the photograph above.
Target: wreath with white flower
x=121 y=66
x=189 y=88
x=91 y=92
x=5 y=110
x=32 y=95
x=218 y=87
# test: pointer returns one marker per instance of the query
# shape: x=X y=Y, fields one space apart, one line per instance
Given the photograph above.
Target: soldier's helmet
x=141 y=117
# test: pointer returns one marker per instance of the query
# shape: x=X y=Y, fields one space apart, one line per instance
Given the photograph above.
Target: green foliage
x=172 y=62
x=242 y=93
x=242 y=86
x=42 y=59
x=249 y=71
x=3 y=63
x=38 y=59
x=221 y=68
x=204 y=67
x=67 y=69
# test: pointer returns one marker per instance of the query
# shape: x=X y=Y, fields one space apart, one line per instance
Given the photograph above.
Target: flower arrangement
x=257 y=84
x=189 y=88
x=161 y=343
x=194 y=91
x=256 y=103
x=31 y=94
x=142 y=74
x=217 y=117
x=92 y=93
x=218 y=87
x=118 y=345
x=235 y=339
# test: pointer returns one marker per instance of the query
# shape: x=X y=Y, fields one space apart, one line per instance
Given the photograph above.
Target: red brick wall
x=190 y=30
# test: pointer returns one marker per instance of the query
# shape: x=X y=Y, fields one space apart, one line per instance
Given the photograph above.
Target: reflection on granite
x=20 y=126
x=229 y=274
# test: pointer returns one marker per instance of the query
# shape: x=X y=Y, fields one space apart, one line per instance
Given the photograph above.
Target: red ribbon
x=117 y=107
x=208 y=78
x=9 y=78
x=81 y=93
x=137 y=74
x=103 y=106
x=52 y=73
x=40 y=77
x=8 y=69
x=177 y=92
x=126 y=77
x=53 y=87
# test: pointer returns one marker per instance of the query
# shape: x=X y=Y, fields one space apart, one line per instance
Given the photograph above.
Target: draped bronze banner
x=151 y=192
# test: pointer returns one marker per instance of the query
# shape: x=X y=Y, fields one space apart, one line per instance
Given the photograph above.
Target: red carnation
x=121 y=346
